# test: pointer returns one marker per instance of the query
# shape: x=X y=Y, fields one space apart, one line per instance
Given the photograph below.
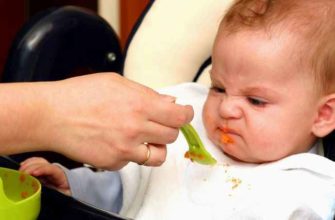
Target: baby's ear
x=325 y=120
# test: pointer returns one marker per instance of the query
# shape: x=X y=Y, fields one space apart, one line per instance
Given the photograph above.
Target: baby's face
x=263 y=97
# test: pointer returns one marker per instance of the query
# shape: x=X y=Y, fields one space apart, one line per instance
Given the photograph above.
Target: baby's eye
x=256 y=101
x=218 y=90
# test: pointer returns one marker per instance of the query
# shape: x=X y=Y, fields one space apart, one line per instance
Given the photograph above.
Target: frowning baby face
x=262 y=97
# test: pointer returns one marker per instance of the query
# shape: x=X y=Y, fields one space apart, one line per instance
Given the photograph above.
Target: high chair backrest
x=173 y=41
x=61 y=42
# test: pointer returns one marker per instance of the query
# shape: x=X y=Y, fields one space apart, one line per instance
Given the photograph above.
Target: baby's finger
x=37 y=169
x=33 y=160
x=47 y=170
x=29 y=168
x=53 y=175
x=24 y=166
x=50 y=175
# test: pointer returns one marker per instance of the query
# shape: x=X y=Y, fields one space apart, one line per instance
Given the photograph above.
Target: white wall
x=110 y=10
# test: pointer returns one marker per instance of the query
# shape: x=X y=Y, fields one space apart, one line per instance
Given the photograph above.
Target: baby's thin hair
x=311 y=20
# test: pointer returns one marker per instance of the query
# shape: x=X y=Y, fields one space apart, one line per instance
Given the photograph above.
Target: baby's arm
x=49 y=174
x=100 y=189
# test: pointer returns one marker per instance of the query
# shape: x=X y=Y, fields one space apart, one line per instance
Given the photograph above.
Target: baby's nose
x=230 y=107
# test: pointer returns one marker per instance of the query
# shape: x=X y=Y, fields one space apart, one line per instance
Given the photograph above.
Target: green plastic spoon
x=196 y=152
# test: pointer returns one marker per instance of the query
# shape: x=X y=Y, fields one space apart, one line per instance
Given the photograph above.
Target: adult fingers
x=170 y=114
x=158 y=155
x=149 y=154
x=158 y=134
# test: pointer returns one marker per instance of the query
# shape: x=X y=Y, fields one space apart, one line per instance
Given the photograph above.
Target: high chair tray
x=57 y=206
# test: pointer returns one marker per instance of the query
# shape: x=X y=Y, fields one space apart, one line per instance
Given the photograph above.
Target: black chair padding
x=62 y=42
x=329 y=146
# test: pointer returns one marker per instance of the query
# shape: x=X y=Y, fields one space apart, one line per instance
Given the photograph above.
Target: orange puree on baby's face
x=226 y=139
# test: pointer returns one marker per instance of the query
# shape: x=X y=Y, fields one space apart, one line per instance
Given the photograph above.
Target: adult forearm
x=21 y=114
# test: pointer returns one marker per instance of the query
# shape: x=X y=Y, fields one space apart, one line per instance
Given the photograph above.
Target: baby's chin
x=243 y=159
x=224 y=149
x=246 y=159
x=229 y=150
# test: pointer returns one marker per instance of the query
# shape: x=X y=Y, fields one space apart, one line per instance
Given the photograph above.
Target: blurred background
x=121 y=14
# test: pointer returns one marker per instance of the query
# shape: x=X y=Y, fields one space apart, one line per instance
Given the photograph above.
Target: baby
x=271 y=101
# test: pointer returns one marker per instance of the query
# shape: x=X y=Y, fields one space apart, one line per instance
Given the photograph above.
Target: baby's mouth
x=225 y=137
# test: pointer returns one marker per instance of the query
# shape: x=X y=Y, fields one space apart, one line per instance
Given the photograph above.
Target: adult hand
x=100 y=119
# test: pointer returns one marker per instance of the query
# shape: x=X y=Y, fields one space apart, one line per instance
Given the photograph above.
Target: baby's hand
x=49 y=174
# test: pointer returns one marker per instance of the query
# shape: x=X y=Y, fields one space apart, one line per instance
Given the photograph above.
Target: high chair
x=170 y=44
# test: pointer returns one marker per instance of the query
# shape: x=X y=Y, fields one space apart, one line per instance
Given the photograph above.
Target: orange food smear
x=24 y=194
x=201 y=157
x=226 y=139
x=34 y=185
x=192 y=156
x=22 y=177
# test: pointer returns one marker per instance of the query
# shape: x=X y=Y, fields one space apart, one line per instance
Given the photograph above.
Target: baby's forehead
x=266 y=42
x=304 y=18
x=294 y=44
x=261 y=56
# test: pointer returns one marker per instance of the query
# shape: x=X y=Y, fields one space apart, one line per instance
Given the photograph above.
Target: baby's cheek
x=210 y=121
x=210 y=125
x=262 y=147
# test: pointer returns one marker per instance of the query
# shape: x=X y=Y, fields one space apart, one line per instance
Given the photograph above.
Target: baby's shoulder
x=306 y=162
